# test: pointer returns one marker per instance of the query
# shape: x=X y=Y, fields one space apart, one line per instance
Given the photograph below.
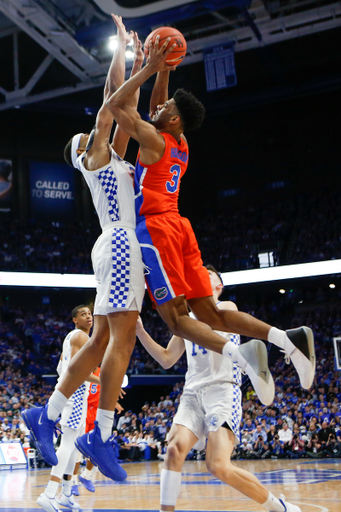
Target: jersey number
x=194 y=352
x=93 y=388
x=172 y=185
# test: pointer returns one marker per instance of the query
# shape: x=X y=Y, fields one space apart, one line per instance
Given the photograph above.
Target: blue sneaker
x=41 y=429
x=101 y=454
x=89 y=486
x=75 y=490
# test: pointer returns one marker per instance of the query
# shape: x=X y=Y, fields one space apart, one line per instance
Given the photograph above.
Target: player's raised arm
x=121 y=138
x=160 y=91
x=166 y=357
x=127 y=117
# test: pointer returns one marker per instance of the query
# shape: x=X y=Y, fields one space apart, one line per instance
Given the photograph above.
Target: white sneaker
x=67 y=501
x=288 y=507
x=252 y=357
x=48 y=504
x=299 y=347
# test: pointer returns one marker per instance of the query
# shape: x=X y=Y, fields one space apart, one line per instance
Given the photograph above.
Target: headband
x=74 y=146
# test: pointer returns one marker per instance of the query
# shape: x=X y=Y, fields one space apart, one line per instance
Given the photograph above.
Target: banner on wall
x=219 y=67
x=51 y=190
x=5 y=185
x=11 y=454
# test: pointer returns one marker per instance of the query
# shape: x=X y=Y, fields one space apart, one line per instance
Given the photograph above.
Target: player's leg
x=41 y=420
x=86 y=476
x=251 y=357
x=218 y=461
x=66 y=498
x=97 y=445
x=181 y=440
x=74 y=487
x=47 y=500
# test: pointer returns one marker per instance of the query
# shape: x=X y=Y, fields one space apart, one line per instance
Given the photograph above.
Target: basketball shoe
x=75 y=490
x=67 y=501
x=299 y=347
x=288 y=507
x=42 y=429
x=89 y=486
x=101 y=454
x=48 y=504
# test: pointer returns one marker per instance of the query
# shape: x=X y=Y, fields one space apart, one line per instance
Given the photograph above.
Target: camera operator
x=332 y=447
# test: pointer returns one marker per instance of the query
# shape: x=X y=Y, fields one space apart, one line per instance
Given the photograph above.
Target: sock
x=230 y=351
x=86 y=474
x=66 y=488
x=273 y=504
x=56 y=404
x=277 y=337
x=170 y=484
x=51 y=489
x=75 y=479
x=105 y=421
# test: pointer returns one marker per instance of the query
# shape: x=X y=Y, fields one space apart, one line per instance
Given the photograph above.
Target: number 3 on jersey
x=172 y=185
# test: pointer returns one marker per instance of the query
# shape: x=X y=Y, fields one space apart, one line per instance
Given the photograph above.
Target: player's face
x=215 y=281
x=84 y=318
x=163 y=114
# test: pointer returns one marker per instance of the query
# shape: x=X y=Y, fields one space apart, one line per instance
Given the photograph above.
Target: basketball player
x=210 y=406
x=170 y=251
x=118 y=268
x=73 y=417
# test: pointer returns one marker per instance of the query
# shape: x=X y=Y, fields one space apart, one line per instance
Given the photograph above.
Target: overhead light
x=129 y=54
x=332 y=285
x=281 y=290
x=112 y=44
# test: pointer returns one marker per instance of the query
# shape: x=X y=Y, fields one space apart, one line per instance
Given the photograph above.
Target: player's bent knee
x=175 y=452
x=218 y=468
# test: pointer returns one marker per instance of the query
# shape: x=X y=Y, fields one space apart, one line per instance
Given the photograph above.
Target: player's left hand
x=122 y=393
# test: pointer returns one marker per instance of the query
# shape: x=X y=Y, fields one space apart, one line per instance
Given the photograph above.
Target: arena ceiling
x=50 y=49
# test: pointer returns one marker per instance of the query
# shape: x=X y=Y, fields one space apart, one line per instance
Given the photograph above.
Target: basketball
x=179 y=52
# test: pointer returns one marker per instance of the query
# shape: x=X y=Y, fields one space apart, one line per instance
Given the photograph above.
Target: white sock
x=56 y=404
x=75 y=479
x=105 y=421
x=86 y=474
x=51 y=489
x=170 y=484
x=273 y=504
x=66 y=488
x=277 y=337
x=230 y=351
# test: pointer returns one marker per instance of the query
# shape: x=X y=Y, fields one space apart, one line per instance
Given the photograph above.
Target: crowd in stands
x=297 y=424
x=231 y=239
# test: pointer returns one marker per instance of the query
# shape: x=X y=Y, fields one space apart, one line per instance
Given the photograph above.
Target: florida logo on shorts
x=160 y=293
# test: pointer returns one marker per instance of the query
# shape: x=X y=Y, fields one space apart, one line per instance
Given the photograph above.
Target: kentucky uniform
x=211 y=394
x=116 y=255
x=168 y=244
x=73 y=416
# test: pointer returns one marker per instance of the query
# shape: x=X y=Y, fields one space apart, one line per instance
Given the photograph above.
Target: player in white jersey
x=119 y=272
x=73 y=417
x=210 y=407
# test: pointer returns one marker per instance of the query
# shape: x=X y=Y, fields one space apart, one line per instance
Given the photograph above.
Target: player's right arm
x=166 y=357
x=160 y=91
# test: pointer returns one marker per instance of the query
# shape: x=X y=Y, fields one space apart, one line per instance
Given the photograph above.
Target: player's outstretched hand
x=122 y=35
x=156 y=59
x=119 y=408
x=137 y=48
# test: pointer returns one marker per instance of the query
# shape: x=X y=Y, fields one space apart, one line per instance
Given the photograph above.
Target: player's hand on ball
x=157 y=56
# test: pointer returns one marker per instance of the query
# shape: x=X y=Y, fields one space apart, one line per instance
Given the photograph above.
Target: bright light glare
x=112 y=44
x=332 y=285
x=129 y=54
x=257 y=275
x=281 y=291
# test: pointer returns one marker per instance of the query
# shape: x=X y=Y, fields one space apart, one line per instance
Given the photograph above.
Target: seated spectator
x=314 y=448
x=285 y=436
x=332 y=447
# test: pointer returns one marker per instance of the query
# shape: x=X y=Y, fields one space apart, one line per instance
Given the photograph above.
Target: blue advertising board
x=219 y=67
x=51 y=190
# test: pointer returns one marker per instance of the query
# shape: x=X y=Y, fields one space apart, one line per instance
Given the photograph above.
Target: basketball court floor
x=315 y=486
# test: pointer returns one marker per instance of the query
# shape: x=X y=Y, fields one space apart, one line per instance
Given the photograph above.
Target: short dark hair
x=67 y=153
x=212 y=269
x=76 y=309
x=191 y=110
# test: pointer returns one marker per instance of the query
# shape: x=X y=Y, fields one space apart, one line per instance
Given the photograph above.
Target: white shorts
x=119 y=271
x=207 y=409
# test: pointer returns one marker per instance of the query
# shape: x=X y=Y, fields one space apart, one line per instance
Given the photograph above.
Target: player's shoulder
x=120 y=162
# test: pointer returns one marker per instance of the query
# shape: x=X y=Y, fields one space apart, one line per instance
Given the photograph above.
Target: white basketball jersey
x=74 y=413
x=112 y=190
x=206 y=367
